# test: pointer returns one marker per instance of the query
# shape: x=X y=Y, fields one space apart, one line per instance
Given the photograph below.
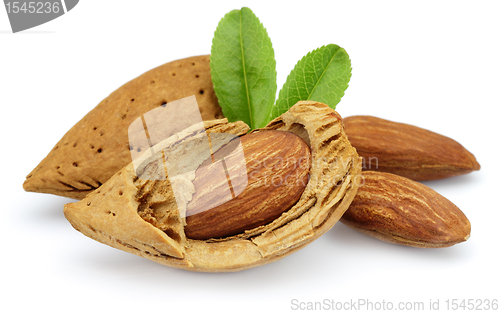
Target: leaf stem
x=245 y=71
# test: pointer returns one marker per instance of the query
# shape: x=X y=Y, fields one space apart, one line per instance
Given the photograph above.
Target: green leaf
x=243 y=68
x=322 y=75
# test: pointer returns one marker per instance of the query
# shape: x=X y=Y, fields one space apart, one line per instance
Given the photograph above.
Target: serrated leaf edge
x=296 y=68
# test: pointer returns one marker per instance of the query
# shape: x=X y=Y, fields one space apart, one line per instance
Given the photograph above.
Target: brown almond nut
x=407 y=150
x=398 y=210
x=277 y=167
x=147 y=217
x=98 y=145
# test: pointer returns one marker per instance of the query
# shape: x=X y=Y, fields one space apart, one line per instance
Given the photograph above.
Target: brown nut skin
x=407 y=150
x=142 y=218
x=275 y=170
x=98 y=145
x=398 y=210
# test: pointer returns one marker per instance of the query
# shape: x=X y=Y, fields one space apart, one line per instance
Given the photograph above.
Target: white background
x=433 y=64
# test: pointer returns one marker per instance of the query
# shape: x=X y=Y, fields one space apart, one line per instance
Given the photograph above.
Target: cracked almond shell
x=110 y=214
x=98 y=145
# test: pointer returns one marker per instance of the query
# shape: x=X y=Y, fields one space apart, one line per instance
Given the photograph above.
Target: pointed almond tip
x=34 y=184
x=465 y=235
x=475 y=166
x=29 y=186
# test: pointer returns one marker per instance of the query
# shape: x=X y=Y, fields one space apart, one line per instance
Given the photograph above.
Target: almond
x=98 y=145
x=407 y=150
x=398 y=210
x=276 y=172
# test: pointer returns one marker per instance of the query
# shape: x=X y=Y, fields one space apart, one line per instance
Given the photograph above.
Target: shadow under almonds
x=354 y=245
x=42 y=209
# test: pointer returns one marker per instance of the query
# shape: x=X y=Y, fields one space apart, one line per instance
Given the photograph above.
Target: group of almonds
x=391 y=205
x=261 y=222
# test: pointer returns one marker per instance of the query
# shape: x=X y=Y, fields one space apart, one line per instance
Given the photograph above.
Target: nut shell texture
x=141 y=216
x=98 y=145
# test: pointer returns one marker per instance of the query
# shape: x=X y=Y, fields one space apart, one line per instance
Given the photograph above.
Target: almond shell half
x=110 y=214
